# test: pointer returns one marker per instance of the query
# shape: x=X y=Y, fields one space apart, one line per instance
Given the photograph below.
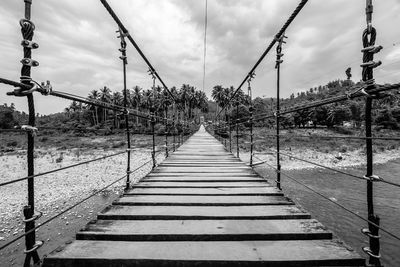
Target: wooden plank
x=233 y=191
x=183 y=178
x=202 y=212
x=195 y=200
x=199 y=253
x=204 y=175
x=201 y=184
x=205 y=230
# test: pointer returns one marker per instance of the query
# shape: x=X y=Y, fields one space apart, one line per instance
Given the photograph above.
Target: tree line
x=189 y=103
x=386 y=110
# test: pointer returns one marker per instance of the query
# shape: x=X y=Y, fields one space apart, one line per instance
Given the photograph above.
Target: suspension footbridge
x=204 y=207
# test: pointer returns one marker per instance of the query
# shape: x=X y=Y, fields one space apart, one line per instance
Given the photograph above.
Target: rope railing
x=366 y=89
x=27 y=86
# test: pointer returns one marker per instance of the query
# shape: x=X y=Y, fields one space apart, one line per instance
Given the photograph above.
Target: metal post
x=152 y=119
x=166 y=130
x=369 y=37
x=225 y=130
x=126 y=115
x=279 y=55
x=27 y=29
x=237 y=127
x=153 y=153
x=180 y=125
x=230 y=132
x=174 y=127
x=251 y=117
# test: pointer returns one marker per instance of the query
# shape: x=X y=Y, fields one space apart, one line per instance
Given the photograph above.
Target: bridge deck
x=204 y=207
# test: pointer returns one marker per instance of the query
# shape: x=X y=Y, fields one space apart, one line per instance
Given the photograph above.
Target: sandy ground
x=55 y=192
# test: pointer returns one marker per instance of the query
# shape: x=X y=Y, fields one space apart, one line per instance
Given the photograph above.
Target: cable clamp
x=35 y=247
x=370 y=253
x=34 y=217
x=367 y=232
x=29 y=62
x=29 y=128
x=29 y=44
x=373 y=178
x=371 y=64
x=45 y=88
x=122 y=33
x=369 y=10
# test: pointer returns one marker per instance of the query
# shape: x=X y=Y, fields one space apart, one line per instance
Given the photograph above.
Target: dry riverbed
x=347 y=159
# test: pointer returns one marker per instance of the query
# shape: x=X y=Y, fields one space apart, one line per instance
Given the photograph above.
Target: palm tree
x=117 y=100
x=136 y=99
x=94 y=96
x=105 y=97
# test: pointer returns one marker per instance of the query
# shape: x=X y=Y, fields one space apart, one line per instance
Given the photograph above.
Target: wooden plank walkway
x=204 y=207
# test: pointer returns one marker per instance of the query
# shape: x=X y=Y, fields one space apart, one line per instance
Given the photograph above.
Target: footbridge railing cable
x=366 y=89
x=27 y=86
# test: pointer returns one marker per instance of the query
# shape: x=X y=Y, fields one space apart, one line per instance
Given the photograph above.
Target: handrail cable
x=335 y=170
x=336 y=203
x=60 y=169
x=69 y=208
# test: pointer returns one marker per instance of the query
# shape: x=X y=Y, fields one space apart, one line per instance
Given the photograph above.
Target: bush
x=342 y=130
x=159 y=129
x=43 y=139
x=343 y=149
x=118 y=144
x=12 y=143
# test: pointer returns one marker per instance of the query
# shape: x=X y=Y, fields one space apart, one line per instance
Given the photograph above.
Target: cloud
x=79 y=49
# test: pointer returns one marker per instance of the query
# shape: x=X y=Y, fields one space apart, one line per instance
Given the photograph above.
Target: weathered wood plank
x=226 y=200
x=207 y=230
x=193 y=184
x=117 y=212
x=198 y=253
x=232 y=191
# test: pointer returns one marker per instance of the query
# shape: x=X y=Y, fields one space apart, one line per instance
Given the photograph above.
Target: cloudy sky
x=79 y=50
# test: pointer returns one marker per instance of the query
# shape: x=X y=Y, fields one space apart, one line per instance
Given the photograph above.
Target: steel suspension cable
x=205 y=44
x=277 y=36
x=125 y=32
